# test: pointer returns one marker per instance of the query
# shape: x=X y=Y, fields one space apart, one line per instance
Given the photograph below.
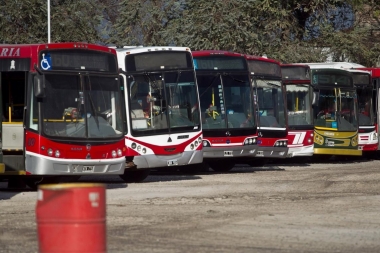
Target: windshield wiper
x=208 y=87
x=93 y=108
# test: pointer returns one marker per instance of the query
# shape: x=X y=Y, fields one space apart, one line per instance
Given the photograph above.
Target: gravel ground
x=281 y=207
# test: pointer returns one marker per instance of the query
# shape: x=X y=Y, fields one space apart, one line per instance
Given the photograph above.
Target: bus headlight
x=205 y=143
x=192 y=146
x=119 y=152
x=196 y=143
x=199 y=139
x=144 y=150
x=113 y=153
x=50 y=152
x=57 y=153
x=133 y=145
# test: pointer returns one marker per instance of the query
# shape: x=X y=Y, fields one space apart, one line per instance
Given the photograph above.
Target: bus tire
x=194 y=168
x=135 y=176
x=34 y=181
x=221 y=165
x=258 y=162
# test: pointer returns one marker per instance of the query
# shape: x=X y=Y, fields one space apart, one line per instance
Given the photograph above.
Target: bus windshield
x=366 y=115
x=270 y=103
x=81 y=106
x=336 y=109
x=225 y=101
x=298 y=104
x=163 y=101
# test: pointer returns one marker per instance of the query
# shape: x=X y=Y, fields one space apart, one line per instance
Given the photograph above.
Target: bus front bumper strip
x=42 y=165
x=227 y=152
x=301 y=151
x=272 y=152
x=159 y=161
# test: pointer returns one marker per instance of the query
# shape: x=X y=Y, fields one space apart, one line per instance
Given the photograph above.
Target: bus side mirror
x=39 y=86
x=315 y=98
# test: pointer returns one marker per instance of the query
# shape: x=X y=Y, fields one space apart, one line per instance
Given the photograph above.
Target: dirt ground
x=310 y=207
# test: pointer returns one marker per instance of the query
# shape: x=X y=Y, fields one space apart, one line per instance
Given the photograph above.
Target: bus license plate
x=88 y=168
x=228 y=153
x=172 y=163
x=260 y=153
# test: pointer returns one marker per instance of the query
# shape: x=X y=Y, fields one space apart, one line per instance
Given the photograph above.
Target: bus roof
x=31 y=50
x=375 y=72
x=215 y=52
x=335 y=65
x=128 y=50
x=295 y=73
x=258 y=65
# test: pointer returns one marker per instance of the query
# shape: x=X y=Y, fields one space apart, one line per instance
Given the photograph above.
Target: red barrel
x=71 y=218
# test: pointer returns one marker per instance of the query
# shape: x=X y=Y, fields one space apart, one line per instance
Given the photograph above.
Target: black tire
x=259 y=162
x=135 y=176
x=34 y=181
x=69 y=179
x=194 y=168
x=221 y=165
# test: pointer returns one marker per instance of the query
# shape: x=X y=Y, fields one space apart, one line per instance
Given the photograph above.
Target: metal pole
x=48 y=12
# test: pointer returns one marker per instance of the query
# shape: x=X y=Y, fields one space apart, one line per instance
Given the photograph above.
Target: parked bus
x=299 y=94
x=227 y=109
x=162 y=108
x=61 y=112
x=266 y=80
x=375 y=77
x=335 y=112
x=368 y=137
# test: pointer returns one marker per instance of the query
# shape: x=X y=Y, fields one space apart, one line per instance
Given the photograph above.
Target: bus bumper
x=229 y=152
x=272 y=152
x=301 y=151
x=41 y=165
x=158 y=161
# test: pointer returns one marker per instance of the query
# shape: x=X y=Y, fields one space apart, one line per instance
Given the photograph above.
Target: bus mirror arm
x=315 y=98
x=122 y=71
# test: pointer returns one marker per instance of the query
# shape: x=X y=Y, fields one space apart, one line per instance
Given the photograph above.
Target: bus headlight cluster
x=250 y=141
x=196 y=143
x=139 y=148
x=282 y=143
x=374 y=136
x=116 y=153
x=50 y=152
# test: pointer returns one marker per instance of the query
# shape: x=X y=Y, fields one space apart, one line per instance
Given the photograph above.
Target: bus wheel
x=259 y=162
x=194 y=168
x=221 y=165
x=34 y=181
x=135 y=176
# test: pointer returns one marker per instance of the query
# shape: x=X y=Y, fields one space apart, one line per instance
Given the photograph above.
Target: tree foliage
x=286 y=30
x=25 y=21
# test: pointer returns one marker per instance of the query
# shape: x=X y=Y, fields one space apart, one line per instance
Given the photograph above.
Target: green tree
x=25 y=21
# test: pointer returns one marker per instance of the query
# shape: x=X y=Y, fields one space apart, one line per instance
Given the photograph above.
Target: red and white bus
x=266 y=80
x=162 y=108
x=62 y=113
x=299 y=95
x=373 y=109
x=227 y=109
x=368 y=136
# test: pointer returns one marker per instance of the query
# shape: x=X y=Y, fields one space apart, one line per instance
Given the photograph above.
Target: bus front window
x=82 y=107
x=270 y=103
x=298 y=104
x=337 y=110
